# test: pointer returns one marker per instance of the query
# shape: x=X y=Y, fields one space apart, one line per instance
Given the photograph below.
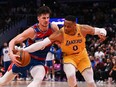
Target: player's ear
x=38 y=18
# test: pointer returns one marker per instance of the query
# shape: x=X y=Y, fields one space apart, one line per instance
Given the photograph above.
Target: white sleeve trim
x=100 y=31
x=38 y=45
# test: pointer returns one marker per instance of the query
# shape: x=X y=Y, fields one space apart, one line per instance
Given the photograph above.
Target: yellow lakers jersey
x=73 y=44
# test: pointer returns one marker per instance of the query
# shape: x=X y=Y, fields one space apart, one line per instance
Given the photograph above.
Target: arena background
x=17 y=15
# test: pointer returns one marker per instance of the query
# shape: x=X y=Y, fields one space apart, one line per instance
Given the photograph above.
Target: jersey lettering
x=73 y=42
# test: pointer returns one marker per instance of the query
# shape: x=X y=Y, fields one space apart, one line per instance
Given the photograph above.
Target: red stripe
x=10 y=67
x=41 y=35
x=37 y=58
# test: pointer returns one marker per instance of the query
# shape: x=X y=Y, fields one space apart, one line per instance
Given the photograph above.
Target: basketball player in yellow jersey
x=71 y=39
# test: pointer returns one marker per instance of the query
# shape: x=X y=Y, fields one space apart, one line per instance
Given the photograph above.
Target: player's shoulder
x=29 y=29
x=29 y=32
x=86 y=29
x=83 y=27
x=54 y=26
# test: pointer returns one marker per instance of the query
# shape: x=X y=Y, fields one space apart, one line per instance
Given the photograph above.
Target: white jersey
x=50 y=56
x=99 y=54
x=5 y=54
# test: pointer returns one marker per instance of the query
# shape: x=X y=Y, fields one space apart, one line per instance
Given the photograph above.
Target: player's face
x=44 y=20
x=69 y=27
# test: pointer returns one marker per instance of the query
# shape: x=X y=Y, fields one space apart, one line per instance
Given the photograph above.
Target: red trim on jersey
x=46 y=34
x=30 y=41
x=10 y=67
x=36 y=57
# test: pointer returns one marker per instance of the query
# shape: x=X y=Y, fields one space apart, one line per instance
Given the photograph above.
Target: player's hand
x=102 y=34
x=102 y=37
x=14 y=60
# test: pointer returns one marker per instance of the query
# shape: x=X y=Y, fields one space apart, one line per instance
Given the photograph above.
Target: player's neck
x=43 y=28
x=72 y=33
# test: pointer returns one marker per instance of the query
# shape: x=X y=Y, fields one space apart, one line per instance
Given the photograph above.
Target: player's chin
x=67 y=32
x=45 y=25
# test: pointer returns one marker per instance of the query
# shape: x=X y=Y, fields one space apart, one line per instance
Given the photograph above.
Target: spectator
x=5 y=57
x=99 y=54
x=50 y=64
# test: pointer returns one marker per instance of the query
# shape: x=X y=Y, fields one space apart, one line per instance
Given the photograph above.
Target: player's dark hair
x=70 y=18
x=43 y=10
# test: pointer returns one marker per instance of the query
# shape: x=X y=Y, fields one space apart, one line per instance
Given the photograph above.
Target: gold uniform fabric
x=74 y=51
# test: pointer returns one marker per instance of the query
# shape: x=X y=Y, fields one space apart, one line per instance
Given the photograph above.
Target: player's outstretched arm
x=55 y=37
x=28 y=33
x=37 y=46
x=101 y=32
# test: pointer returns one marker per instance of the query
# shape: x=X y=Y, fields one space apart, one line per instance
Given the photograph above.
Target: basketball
x=24 y=58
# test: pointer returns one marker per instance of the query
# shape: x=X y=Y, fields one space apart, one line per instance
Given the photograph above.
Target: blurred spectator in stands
x=50 y=64
x=57 y=69
x=99 y=69
x=93 y=63
x=113 y=70
x=58 y=56
x=99 y=54
x=5 y=57
x=58 y=53
x=108 y=66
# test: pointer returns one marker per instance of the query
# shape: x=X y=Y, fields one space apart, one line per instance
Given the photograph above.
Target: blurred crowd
x=96 y=13
x=99 y=14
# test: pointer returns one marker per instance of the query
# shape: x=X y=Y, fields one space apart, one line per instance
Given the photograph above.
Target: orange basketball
x=24 y=58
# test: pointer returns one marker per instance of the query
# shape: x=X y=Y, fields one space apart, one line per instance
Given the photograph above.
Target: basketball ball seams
x=22 y=61
x=21 y=53
x=24 y=58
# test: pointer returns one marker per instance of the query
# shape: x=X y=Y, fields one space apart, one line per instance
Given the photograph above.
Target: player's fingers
x=17 y=56
x=102 y=37
x=101 y=40
x=17 y=61
x=19 y=65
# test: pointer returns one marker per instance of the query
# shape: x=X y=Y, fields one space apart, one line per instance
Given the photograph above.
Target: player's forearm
x=38 y=45
x=11 y=46
x=93 y=30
